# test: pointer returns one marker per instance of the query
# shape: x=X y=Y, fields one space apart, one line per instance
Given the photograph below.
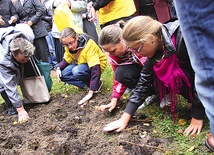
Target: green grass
x=106 y=77
x=60 y=88
x=164 y=127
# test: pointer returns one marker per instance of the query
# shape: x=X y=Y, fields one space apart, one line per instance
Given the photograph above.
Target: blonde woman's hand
x=87 y=97
x=58 y=74
x=118 y=125
x=195 y=127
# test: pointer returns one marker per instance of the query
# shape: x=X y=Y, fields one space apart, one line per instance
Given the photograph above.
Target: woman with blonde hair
x=126 y=64
x=168 y=68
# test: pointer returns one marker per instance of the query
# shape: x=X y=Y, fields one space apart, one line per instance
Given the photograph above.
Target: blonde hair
x=139 y=28
x=23 y=46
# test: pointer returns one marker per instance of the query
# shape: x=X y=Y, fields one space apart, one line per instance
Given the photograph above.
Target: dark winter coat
x=7 y=10
x=32 y=10
x=47 y=19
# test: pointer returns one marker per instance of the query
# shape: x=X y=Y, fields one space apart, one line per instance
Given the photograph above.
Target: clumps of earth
x=62 y=127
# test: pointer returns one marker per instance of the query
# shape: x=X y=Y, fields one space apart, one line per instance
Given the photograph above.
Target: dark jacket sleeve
x=100 y=4
x=142 y=90
x=198 y=111
x=95 y=77
x=13 y=11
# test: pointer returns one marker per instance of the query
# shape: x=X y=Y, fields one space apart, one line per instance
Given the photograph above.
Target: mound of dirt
x=62 y=127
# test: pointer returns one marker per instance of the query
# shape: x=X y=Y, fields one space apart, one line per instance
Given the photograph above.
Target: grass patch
x=164 y=127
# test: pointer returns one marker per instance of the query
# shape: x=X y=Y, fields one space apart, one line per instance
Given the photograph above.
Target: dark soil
x=62 y=127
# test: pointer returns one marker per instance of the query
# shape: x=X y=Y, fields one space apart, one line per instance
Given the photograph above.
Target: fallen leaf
x=15 y=122
x=152 y=110
x=182 y=121
x=96 y=107
x=191 y=148
x=146 y=124
x=180 y=131
x=155 y=131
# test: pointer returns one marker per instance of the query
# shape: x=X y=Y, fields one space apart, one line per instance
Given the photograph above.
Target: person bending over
x=82 y=64
x=168 y=68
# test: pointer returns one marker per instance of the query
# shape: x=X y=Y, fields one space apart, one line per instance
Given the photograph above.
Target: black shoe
x=208 y=145
x=12 y=111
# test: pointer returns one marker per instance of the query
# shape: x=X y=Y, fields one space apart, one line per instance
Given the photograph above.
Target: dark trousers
x=128 y=75
x=41 y=52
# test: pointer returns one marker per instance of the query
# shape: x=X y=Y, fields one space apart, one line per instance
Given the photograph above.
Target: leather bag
x=34 y=88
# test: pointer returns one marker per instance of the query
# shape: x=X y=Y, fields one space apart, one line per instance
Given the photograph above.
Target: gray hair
x=23 y=46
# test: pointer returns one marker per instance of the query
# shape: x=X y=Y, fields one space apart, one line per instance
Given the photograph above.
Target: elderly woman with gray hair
x=20 y=50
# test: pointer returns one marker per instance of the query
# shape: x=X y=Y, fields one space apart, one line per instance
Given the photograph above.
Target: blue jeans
x=51 y=49
x=196 y=19
x=78 y=75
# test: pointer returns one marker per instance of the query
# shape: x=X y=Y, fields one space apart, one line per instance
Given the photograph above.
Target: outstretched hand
x=118 y=125
x=22 y=115
x=109 y=106
x=195 y=127
x=58 y=75
x=87 y=97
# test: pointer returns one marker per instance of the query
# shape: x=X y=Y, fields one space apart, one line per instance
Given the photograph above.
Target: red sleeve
x=118 y=89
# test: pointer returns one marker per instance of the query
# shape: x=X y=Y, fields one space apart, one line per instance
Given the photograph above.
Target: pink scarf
x=170 y=78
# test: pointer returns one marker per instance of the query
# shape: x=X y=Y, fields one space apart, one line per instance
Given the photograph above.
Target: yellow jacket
x=115 y=10
x=90 y=53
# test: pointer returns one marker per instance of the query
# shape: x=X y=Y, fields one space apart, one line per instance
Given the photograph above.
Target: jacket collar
x=82 y=41
x=168 y=30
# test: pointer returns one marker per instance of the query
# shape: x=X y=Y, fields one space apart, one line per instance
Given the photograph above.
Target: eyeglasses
x=139 y=49
x=70 y=43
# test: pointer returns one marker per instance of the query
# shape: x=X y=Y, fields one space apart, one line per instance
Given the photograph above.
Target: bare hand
x=119 y=124
x=2 y=22
x=30 y=23
x=86 y=98
x=91 y=12
x=58 y=75
x=195 y=127
x=109 y=106
x=57 y=3
x=13 y=19
x=22 y=115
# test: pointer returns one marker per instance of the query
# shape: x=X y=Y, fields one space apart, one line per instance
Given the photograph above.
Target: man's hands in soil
x=22 y=115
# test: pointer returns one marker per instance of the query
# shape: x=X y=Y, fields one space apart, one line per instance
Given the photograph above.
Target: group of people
x=147 y=56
